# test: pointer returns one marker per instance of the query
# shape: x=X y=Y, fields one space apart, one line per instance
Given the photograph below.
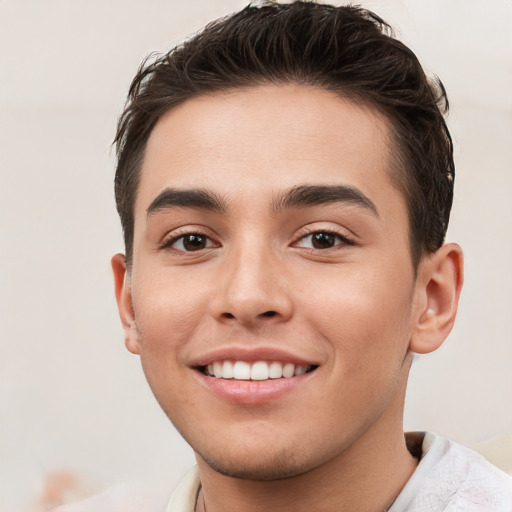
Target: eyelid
x=171 y=238
x=310 y=229
x=342 y=242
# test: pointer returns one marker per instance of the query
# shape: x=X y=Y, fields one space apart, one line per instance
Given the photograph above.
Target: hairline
x=397 y=159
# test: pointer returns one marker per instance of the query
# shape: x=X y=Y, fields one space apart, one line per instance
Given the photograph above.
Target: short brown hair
x=347 y=50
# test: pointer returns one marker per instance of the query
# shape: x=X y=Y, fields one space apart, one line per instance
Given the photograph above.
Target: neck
x=366 y=477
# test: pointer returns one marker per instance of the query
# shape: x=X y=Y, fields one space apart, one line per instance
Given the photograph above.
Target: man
x=284 y=183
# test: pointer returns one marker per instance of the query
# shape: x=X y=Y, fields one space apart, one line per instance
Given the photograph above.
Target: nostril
x=268 y=314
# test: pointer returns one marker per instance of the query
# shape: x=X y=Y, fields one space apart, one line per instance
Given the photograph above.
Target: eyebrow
x=189 y=198
x=303 y=196
x=300 y=196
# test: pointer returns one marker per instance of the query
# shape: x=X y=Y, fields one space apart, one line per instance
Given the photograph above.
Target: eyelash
x=342 y=239
x=168 y=244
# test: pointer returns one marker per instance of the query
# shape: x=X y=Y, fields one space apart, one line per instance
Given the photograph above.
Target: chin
x=263 y=466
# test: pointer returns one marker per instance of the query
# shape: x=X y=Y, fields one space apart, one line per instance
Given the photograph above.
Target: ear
x=124 y=303
x=438 y=286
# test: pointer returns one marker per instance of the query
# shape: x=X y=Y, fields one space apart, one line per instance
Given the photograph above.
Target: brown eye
x=192 y=242
x=322 y=240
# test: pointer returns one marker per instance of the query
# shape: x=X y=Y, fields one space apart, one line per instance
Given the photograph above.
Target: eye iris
x=323 y=240
x=194 y=242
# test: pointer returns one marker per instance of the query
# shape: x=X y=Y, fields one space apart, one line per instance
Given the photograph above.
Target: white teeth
x=275 y=370
x=227 y=370
x=241 y=370
x=260 y=370
x=300 y=370
x=288 y=370
x=217 y=369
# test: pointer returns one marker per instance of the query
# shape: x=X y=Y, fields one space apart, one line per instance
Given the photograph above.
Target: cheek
x=167 y=311
x=364 y=315
x=167 y=317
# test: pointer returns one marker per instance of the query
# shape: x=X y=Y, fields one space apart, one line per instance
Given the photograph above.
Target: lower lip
x=252 y=392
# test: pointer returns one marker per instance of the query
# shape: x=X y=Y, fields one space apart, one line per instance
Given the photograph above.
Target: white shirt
x=452 y=478
x=449 y=478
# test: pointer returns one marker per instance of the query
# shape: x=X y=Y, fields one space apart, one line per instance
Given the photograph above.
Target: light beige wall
x=70 y=395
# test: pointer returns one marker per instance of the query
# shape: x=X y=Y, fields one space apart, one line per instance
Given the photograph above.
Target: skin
x=352 y=306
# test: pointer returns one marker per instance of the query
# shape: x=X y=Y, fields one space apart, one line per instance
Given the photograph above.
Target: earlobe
x=439 y=283
x=124 y=303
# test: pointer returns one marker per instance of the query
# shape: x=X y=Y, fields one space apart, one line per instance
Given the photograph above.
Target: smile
x=259 y=370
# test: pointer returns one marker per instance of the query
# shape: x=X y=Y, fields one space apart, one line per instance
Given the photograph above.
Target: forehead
x=254 y=141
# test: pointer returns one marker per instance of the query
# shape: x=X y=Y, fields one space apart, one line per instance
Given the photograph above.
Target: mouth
x=256 y=371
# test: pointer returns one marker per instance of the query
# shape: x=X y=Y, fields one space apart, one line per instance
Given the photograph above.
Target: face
x=271 y=292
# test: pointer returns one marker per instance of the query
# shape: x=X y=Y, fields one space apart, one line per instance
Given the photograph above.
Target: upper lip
x=250 y=355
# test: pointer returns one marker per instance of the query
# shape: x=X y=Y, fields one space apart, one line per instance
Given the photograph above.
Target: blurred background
x=75 y=411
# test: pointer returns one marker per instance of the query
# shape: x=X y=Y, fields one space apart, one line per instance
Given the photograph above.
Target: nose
x=252 y=289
